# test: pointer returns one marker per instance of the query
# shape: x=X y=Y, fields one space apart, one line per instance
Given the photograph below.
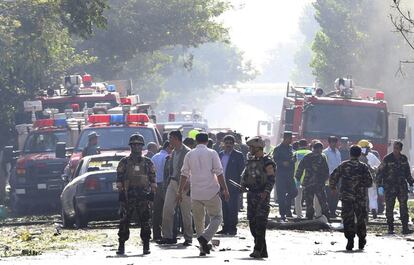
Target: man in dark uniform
x=316 y=174
x=92 y=147
x=285 y=184
x=355 y=178
x=136 y=183
x=393 y=175
x=258 y=178
x=233 y=164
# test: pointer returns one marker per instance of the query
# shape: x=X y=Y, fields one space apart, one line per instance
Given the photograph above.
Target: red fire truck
x=35 y=178
x=311 y=114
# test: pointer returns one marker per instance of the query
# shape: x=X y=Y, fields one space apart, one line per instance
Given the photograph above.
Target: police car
x=114 y=131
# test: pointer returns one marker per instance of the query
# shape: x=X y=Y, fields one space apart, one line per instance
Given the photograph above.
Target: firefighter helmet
x=364 y=144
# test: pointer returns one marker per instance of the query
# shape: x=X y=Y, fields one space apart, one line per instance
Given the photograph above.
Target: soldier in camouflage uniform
x=258 y=178
x=316 y=174
x=136 y=183
x=393 y=175
x=355 y=178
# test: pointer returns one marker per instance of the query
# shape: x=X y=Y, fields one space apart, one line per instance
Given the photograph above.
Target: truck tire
x=66 y=221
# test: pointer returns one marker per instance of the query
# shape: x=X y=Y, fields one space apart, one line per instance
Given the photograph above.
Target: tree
x=37 y=49
x=357 y=38
x=308 y=26
x=145 y=26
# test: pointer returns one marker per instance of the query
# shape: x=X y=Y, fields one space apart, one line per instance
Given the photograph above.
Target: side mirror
x=60 y=150
x=402 y=126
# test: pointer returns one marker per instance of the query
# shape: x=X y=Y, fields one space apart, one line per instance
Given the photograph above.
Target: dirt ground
x=49 y=244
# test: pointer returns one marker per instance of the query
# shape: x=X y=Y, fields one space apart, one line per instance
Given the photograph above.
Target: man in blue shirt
x=285 y=184
x=159 y=160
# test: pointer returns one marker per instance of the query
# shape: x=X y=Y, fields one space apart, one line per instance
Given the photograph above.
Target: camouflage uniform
x=393 y=175
x=355 y=178
x=255 y=179
x=316 y=174
x=137 y=174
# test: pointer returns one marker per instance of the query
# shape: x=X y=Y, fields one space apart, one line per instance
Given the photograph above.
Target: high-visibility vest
x=300 y=154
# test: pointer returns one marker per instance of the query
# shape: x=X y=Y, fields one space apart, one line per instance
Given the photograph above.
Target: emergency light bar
x=118 y=118
x=126 y=101
x=43 y=123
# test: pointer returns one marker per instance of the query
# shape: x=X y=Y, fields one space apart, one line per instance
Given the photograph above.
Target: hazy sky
x=257 y=26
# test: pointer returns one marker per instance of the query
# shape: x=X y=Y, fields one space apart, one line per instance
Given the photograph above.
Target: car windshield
x=115 y=138
x=103 y=163
x=359 y=122
x=44 y=141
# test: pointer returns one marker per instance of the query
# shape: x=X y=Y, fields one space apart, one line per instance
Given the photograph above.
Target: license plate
x=41 y=186
x=114 y=186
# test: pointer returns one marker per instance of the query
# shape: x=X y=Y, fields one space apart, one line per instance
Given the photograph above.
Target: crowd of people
x=201 y=180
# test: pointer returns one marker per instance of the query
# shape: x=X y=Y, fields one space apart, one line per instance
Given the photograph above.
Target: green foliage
x=357 y=38
x=308 y=26
x=145 y=26
x=36 y=51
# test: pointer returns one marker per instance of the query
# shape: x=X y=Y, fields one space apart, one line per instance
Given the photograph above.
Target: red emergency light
x=75 y=107
x=44 y=123
x=99 y=118
x=379 y=95
x=126 y=101
x=87 y=79
x=139 y=117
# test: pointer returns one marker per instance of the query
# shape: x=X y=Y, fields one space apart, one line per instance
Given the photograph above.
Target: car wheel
x=66 y=221
x=80 y=220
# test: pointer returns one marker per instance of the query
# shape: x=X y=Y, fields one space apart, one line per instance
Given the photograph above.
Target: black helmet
x=136 y=139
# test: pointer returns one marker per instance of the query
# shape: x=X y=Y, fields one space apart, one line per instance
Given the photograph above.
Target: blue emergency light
x=308 y=91
x=61 y=123
x=117 y=118
x=111 y=88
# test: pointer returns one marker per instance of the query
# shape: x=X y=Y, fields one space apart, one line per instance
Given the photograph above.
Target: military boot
x=390 y=229
x=264 y=251
x=405 y=230
x=361 y=243
x=146 y=247
x=350 y=244
x=121 y=248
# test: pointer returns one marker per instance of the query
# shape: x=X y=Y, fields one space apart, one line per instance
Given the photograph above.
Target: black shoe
x=350 y=244
x=391 y=229
x=204 y=248
x=121 y=248
x=361 y=243
x=187 y=243
x=289 y=214
x=202 y=254
x=256 y=254
x=406 y=231
x=146 y=247
x=374 y=214
x=221 y=232
x=167 y=241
